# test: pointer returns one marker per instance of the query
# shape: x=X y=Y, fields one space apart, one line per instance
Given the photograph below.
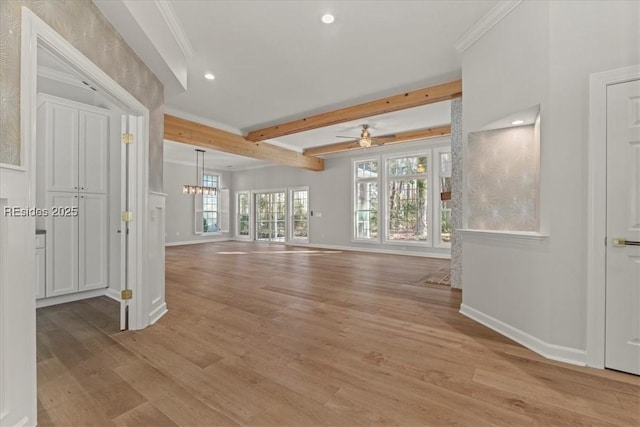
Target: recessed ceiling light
x=517 y=122
x=328 y=18
x=209 y=76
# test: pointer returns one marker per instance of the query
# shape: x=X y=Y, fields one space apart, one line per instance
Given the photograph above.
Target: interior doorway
x=82 y=168
x=622 y=333
x=613 y=325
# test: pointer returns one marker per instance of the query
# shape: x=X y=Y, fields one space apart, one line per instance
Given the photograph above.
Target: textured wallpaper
x=82 y=24
x=503 y=179
x=457 y=149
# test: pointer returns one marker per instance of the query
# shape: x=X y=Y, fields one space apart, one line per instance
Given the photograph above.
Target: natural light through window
x=366 y=200
x=407 y=195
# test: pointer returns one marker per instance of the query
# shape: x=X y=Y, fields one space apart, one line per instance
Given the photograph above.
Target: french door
x=271 y=211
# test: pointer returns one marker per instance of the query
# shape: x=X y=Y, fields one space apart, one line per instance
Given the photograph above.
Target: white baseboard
x=46 y=302
x=113 y=294
x=372 y=250
x=560 y=353
x=197 y=242
x=156 y=314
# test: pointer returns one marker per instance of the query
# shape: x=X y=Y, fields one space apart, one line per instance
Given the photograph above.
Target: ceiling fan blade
x=350 y=137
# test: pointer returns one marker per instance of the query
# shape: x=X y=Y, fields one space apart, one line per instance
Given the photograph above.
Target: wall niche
x=503 y=174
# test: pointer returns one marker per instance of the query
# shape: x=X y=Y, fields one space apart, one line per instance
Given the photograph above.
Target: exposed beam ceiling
x=428 y=95
x=407 y=136
x=188 y=132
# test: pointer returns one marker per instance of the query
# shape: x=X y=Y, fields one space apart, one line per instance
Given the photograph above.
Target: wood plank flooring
x=270 y=335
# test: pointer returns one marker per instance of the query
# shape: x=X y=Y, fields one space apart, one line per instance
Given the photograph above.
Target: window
x=299 y=198
x=210 y=205
x=444 y=196
x=414 y=200
x=243 y=210
x=407 y=196
x=366 y=200
x=270 y=216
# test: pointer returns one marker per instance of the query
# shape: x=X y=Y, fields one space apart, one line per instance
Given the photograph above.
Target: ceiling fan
x=366 y=140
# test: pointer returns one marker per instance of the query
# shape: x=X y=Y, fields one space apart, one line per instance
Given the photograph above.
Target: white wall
x=179 y=211
x=543 y=53
x=330 y=194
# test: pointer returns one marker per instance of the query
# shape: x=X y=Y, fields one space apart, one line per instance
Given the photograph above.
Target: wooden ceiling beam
x=428 y=95
x=400 y=137
x=188 y=132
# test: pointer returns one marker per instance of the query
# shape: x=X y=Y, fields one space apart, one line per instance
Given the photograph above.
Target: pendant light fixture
x=199 y=189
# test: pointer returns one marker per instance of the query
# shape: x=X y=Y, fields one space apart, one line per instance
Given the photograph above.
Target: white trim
x=436 y=225
x=236 y=221
x=178 y=33
x=560 y=353
x=113 y=294
x=77 y=296
x=427 y=174
x=61 y=77
x=14 y=168
x=596 y=208
x=22 y=422
x=156 y=314
x=197 y=242
x=521 y=238
x=487 y=22
x=354 y=181
x=36 y=32
x=290 y=237
x=376 y=251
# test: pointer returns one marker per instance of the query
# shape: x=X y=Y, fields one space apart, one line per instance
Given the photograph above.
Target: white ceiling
x=276 y=61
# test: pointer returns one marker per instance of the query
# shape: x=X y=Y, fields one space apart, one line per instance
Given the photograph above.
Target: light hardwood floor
x=264 y=334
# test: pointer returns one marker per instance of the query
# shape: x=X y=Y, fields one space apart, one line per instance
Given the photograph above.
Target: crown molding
x=169 y=15
x=491 y=18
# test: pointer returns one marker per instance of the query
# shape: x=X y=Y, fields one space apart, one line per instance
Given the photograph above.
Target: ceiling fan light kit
x=365 y=137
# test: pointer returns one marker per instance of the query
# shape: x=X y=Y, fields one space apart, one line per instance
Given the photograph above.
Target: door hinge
x=127 y=138
x=127 y=294
x=127 y=216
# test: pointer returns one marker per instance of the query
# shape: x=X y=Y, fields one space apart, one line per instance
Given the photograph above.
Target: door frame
x=253 y=193
x=597 y=210
x=36 y=32
x=290 y=208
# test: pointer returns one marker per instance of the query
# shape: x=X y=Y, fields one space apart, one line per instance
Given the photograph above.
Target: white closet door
x=62 y=246
x=93 y=152
x=94 y=242
x=61 y=145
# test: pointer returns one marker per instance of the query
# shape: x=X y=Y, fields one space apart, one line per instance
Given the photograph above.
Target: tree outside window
x=407 y=187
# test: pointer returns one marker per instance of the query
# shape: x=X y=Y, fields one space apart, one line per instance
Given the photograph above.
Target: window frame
x=291 y=222
x=197 y=219
x=354 y=212
x=437 y=151
x=237 y=215
x=432 y=152
x=424 y=152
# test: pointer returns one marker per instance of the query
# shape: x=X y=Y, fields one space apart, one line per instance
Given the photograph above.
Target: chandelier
x=199 y=189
